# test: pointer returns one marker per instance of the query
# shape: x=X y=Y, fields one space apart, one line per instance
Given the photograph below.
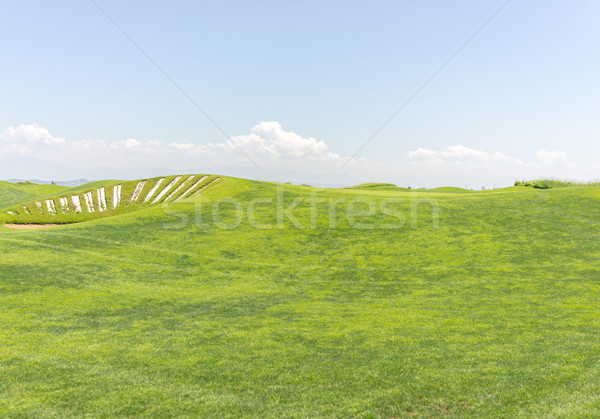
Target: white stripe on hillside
x=64 y=203
x=167 y=189
x=151 y=193
x=179 y=187
x=138 y=191
x=116 y=196
x=191 y=189
x=76 y=203
x=51 y=207
x=89 y=201
x=101 y=199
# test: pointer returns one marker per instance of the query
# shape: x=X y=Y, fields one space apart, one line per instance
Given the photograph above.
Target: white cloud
x=558 y=158
x=273 y=148
x=460 y=153
x=31 y=134
x=469 y=165
x=129 y=144
x=267 y=143
x=425 y=154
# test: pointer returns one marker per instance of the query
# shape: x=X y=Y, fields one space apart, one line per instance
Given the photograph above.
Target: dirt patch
x=29 y=226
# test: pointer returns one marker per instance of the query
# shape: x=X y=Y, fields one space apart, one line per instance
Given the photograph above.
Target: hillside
x=16 y=193
x=392 y=187
x=258 y=299
x=102 y=199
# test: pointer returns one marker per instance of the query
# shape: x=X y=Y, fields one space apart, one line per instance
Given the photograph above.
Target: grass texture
x=149 y=313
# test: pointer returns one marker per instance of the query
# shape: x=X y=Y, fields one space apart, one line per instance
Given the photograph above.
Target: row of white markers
x=116 y=198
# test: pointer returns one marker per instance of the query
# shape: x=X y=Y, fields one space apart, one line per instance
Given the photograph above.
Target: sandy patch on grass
x=29 y=226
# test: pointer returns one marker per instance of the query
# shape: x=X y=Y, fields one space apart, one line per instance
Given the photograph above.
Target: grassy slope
x=15 y=193
x=493 y=314
x=35 y=217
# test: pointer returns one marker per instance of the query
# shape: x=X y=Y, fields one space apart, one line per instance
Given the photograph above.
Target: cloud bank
x=459 y=153
x=279 y=151
x=267 y=143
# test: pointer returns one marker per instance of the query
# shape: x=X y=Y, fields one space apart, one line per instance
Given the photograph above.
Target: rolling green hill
x=102 y=199
x=392 y=187
x=379 y=187
x=265 y=300
x=16 y=193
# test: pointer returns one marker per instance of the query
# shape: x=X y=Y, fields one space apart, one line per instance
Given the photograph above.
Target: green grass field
x=371 y=310
x=17 y=193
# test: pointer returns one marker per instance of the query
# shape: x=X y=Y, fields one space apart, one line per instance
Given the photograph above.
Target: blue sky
x=521 y=100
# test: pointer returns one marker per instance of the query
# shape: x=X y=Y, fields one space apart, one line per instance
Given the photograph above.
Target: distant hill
x=392 y=187
x=71 y=183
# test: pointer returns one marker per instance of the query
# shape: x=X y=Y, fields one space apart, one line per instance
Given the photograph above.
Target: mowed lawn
x=495 y=312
